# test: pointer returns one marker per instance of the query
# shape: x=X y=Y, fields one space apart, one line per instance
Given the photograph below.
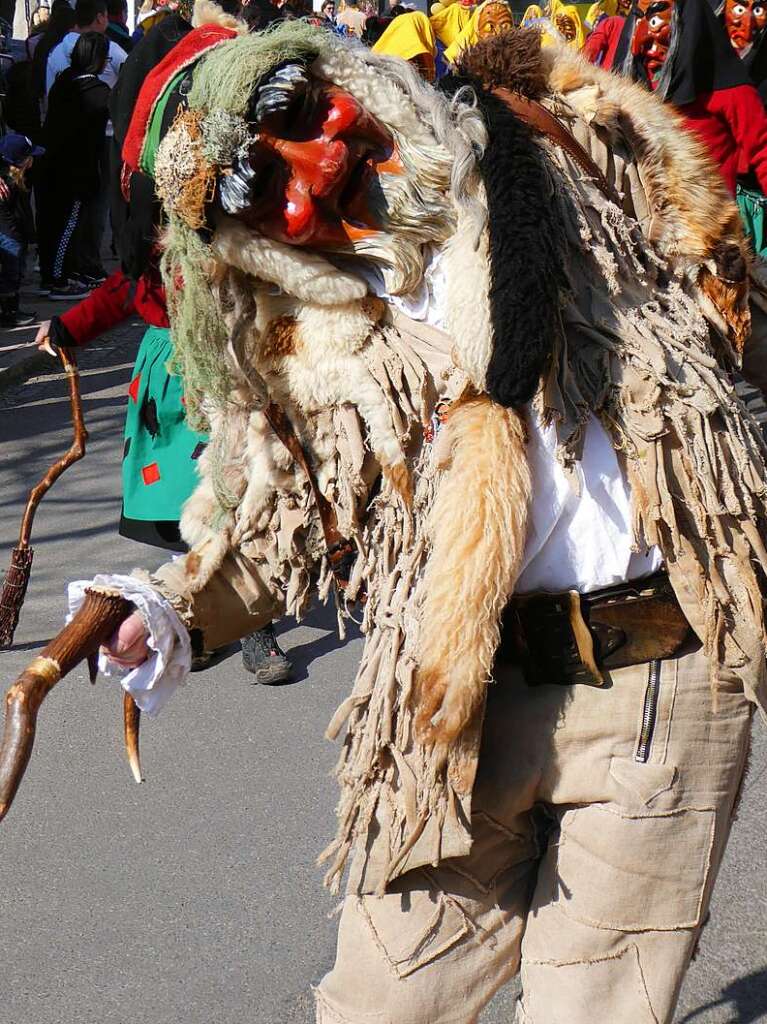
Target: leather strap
x=576 y=638
x=340 y=551
x=542 y=121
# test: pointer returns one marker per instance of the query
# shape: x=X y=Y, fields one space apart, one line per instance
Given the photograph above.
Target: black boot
x=11 y=315
x=262 y=656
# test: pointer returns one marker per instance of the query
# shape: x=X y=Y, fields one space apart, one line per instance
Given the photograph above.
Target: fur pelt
x=694 y=221
x=477 y=531
x=526 y=254
x=305 y=275
x=511 y=58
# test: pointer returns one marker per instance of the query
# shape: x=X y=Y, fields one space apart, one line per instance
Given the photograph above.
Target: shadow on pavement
x=303 y=655
x=747 y=996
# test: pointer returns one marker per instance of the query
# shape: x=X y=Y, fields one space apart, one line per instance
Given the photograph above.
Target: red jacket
x=601 y=45
x=111 y=303
x=733 y=125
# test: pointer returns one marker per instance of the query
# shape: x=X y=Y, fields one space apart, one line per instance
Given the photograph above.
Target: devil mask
x=679 y=49
x=313 y=173
x=744 y=20
x=309 y=163
x=652 y=35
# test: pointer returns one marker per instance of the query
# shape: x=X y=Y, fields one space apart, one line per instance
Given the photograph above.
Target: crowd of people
x=58 y=97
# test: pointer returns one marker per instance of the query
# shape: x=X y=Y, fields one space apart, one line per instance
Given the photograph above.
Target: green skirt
x=161 y=452
x=752 y=207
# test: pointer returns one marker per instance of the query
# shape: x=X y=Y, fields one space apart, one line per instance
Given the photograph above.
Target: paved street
x=194 y=899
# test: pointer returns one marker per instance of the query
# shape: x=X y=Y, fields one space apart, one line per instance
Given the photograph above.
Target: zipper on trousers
x=649 y=713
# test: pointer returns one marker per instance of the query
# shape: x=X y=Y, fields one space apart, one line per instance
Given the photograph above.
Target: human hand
x=128 y=647
x=42 y=339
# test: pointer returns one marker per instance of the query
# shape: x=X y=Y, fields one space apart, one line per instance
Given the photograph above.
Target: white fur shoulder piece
x=305 y=275
x=469 y=324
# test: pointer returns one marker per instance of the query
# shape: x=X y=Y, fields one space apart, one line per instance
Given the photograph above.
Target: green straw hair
x=199 y=333
x=225 y=77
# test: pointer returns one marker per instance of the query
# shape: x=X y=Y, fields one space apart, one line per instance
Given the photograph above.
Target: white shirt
x=579 y=535
x=60 y=58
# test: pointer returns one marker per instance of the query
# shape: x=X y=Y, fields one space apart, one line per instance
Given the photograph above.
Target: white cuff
x=154 y=682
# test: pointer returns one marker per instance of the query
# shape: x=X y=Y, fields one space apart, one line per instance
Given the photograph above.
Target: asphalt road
x=194 y=899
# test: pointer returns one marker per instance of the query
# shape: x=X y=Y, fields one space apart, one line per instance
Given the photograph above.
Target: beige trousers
x=600 y=818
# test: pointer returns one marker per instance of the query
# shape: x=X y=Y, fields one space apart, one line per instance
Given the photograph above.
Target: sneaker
x=91 y=280
x=19 y=319
x=262 y=657
x=68 y=292
x=12 y=316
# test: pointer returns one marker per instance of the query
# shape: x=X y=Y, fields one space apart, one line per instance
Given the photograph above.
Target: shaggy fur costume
x=546 y=282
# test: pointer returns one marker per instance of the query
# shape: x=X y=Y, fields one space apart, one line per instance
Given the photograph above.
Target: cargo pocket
x=634 y=872
x=424 y=925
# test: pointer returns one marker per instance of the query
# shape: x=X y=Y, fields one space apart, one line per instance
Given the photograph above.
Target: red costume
x=733 y=125
x=601 y=46
x=681 y=51
x=111 y=303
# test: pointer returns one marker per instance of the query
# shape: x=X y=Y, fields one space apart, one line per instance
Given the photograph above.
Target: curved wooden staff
x=17 y=577
x=101 y=613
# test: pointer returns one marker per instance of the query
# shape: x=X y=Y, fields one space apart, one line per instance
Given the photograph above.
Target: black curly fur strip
x=527 y=251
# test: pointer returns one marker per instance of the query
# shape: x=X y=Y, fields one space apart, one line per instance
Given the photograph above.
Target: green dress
x=160 y=455
x=752 y=207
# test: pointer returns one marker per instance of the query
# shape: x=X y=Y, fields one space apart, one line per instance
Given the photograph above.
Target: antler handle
x=99 y=616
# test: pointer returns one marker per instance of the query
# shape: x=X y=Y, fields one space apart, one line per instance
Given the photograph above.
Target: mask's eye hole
x=655 y=22
x=739 y=10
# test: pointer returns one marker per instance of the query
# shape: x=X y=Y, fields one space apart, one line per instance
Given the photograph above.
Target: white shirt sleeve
x=115 y=60
x=154 y=682
x=54 y=67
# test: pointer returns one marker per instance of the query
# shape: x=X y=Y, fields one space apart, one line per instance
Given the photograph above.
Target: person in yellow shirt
x=449 y=21
x=411 y=37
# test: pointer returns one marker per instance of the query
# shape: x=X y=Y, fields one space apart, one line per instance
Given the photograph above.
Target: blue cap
x=15 y=149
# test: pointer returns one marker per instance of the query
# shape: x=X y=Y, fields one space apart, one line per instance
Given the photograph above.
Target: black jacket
x=16 y=220
x=74 y=134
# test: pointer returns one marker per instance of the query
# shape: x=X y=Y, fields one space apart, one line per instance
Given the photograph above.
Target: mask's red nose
x=640 y=37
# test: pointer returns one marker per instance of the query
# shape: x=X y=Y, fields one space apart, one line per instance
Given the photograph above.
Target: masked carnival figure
x=491 y=18
x=411 y=37
x=468 y=354
x=680 y=51
x=606 y=26
x=745 y=21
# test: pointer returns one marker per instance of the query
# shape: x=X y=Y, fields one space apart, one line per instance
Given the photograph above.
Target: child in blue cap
x=17 y=225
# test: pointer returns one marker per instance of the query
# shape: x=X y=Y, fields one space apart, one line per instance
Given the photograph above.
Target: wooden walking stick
x=17 y=577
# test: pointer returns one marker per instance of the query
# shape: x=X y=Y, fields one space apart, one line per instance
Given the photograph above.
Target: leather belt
x=576 y=638
x=541 y=120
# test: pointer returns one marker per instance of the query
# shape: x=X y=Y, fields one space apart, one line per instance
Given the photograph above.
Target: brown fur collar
x=691 y=216
x=513 y=60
